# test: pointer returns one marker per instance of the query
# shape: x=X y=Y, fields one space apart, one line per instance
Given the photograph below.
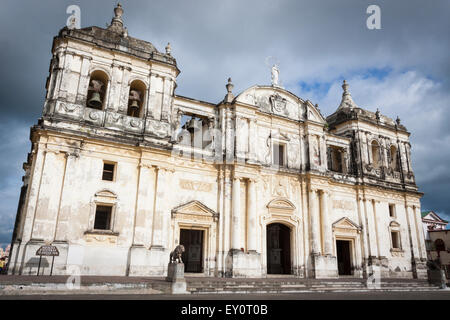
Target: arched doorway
x=278 y=238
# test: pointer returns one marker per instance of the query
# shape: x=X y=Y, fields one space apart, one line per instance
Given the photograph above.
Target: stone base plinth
x=175 y=274
x=421 y=269
x=243 y=265
x=324 y=267
x=437 y=277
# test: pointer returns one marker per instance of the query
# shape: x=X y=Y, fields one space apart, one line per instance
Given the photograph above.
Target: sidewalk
x=19 y=285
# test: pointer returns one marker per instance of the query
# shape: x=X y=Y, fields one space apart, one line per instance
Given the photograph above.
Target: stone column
x=145 y=195
x=58 y=72
x=113 y=98
x=362 y=222
x=371 y=238
x=252 y=140
x=236 y=205
x=420 y=233
x=125 y=90
x=151 y=106
x=412 y=242
x=326 y=228
x=29 y=208
x=62 y=227
x=158 y=213
x=251 y=231
x=83 y=83
x=229 y=138
x=314 y=221
x=49 y=194
x=165 y=109
x=412 y=227
x=227 y=215
x=323 y=151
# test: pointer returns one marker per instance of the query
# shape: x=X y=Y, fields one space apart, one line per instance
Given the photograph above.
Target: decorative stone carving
x=158 y=128
x=343 y=205
x=195 y=185
x=94 y=115
x=280 y=187
x=175 y=255
x=275 y=75
x=278 y=104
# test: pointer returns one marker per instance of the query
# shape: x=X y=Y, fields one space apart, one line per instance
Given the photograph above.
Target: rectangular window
x=278 y=154
x=392 y=210
x=395 y=239
x=108 y=171
x=103 y=218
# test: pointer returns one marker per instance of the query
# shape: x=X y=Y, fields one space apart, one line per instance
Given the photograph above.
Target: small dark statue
x=434 y=264
x=175 y=255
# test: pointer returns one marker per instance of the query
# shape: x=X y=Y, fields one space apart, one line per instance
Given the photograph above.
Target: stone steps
x=299 y=285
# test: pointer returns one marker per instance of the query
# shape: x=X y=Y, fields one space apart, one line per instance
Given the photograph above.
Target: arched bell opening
x=136 y=99
x=98 y=84
x=393 y=158
x=376 y=159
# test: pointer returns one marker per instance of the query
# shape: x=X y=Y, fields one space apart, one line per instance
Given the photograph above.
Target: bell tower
x=106 y=79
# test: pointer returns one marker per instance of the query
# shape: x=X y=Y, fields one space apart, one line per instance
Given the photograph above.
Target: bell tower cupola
x=103 y=77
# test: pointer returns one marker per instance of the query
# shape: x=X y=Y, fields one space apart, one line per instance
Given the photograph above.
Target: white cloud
x=423 y=107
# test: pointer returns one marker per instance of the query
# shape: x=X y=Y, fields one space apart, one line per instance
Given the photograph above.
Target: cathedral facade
x=122 y=170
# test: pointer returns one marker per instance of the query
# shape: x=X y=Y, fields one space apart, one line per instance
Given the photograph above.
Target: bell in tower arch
x=95 y=101
x=133 y=108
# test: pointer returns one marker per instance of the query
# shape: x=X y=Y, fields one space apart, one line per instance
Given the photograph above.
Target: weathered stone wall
x=231 y=190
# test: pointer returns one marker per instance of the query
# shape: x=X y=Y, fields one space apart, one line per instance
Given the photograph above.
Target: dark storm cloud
x=403 y=68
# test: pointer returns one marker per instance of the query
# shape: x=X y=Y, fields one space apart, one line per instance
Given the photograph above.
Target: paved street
x=412 y=295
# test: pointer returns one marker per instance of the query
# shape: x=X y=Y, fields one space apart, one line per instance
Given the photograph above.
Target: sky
x=403 y=68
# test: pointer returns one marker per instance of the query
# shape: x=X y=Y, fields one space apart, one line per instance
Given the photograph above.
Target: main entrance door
x=343 y=257
x=192 y=240
x=278 y=249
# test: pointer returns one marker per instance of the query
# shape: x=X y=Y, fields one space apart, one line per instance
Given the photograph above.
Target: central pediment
x=194 y=208
x=278 y=101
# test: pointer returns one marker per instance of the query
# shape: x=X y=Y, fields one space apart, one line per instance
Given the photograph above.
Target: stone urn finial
x=229 y=96
x=118 y=11
x=345 y=87
x=229 y=86
x=117 y=22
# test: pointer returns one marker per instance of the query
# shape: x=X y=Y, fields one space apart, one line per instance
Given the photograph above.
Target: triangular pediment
x=346 y=223
x=195 y=208
x=433 y=217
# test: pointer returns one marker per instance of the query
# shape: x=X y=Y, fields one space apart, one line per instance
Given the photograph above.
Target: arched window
x=136 y=99
x=376 y=154
x=439 y=244
x=98 y=84
x=393 y=158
